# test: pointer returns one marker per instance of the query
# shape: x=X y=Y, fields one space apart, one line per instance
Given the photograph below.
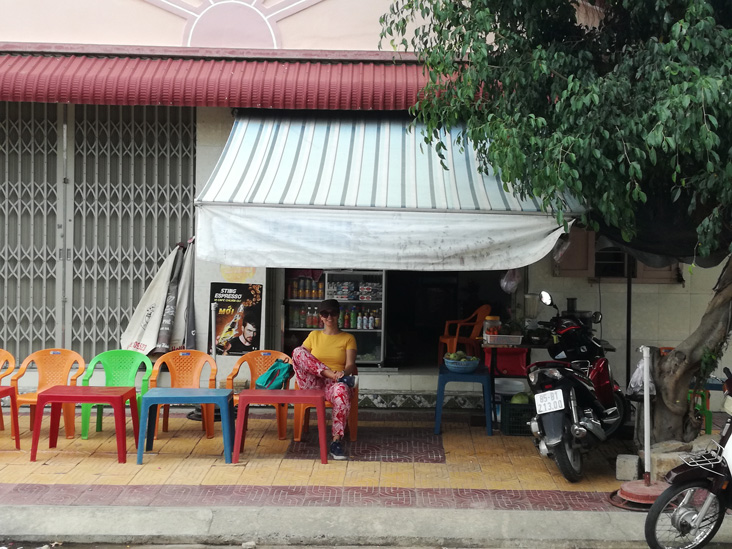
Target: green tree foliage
x=618 y=102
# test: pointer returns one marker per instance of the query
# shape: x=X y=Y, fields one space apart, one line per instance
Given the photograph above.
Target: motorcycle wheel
x=568 y=457
x=622 y=406
x=668 y=523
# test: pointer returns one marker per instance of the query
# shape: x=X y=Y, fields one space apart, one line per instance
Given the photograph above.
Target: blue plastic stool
x=223 y=398
x=480 y=375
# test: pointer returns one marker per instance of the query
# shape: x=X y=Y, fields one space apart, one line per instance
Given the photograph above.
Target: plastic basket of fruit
x=462 y=366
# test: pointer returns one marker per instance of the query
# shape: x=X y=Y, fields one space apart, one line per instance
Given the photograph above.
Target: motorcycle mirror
x=546 y=298
x=596 y=317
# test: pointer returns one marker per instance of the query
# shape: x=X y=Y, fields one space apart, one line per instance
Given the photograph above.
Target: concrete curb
x=328 y=526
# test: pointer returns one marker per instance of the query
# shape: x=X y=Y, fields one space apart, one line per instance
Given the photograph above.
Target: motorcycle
x=578 y=403
x=690 y=511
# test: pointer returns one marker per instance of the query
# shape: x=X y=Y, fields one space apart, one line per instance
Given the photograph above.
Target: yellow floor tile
x=492 y=484
x=431 y=475
x=260 y=472
x=222 y=476
x=362 y=473
x=397 y=475
x=331 y=474
x=293 y=472
x=499 y=473
x=467 y=480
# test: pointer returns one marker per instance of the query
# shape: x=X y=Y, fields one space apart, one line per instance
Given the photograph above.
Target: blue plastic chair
x=120 y=369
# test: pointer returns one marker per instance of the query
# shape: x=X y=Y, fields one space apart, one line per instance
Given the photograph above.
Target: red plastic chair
x=301 y=422
x=7 y=366
x=259 y=362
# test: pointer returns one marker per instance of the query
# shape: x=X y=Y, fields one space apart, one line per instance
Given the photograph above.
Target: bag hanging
x=276 y=376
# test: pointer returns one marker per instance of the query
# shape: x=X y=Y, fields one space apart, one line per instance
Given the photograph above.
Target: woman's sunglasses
x=326 y=314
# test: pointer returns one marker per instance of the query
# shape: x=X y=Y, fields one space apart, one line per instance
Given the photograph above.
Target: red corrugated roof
x=326 y=84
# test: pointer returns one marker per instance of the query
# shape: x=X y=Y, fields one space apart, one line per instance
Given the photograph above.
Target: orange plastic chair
x=466 y=332
x=7 y=366
x=185 y=367
x=301 y=422
x=54 y=367
x=259 y=362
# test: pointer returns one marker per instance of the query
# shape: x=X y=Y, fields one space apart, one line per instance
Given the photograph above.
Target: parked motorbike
x=578 y=403
x=689 y=512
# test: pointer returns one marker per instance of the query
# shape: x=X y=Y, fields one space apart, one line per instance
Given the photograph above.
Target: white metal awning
x=357 y=191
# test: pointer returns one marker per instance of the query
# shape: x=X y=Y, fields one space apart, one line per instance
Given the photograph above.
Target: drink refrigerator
x=361 y=295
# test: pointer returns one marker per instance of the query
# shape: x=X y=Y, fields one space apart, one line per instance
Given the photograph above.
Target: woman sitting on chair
x=327 y=360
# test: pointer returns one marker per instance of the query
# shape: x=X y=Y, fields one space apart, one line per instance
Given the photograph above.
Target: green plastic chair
x=120 y=370
x=701 y=404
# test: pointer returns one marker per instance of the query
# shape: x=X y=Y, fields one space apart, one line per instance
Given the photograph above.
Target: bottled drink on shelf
x=377 y=319
x=353 y=316
x=303 y=317
x=372 y=320
x=347 y=321
x=359 y=322
x=341 y=315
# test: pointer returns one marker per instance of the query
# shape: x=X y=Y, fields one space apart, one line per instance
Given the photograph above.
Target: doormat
x=387 y=444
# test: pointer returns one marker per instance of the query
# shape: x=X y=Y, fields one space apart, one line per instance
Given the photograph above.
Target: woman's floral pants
x=308 y=373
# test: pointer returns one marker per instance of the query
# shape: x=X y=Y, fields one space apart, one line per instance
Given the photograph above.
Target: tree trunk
x=673 y=416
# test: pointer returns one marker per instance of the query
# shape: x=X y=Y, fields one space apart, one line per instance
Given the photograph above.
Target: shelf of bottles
x=360 y=294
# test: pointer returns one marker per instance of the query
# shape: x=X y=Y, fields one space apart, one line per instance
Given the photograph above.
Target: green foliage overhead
x=617 y=101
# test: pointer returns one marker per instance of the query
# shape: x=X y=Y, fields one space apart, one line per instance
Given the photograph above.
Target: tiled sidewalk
x=396 y=461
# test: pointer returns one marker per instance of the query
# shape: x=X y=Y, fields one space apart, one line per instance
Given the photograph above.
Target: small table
x=10 y=392
x=315 y=397
x=481 y=375
x=223 y=398
x=114 y=396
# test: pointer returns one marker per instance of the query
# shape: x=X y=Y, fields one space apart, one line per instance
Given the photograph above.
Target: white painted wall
x=327 y=25
x=662 y=314
x=212 y=131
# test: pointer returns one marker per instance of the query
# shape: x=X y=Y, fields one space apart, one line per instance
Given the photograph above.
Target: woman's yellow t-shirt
x=330 y=349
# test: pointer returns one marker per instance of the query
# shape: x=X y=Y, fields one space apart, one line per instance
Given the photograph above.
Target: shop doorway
x=419 y=303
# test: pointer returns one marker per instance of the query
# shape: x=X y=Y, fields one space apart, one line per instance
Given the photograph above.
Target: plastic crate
x=511 y=361
x=515 y=417
x=499 y=339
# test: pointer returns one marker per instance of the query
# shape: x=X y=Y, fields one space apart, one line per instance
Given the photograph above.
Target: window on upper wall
x=583 y=260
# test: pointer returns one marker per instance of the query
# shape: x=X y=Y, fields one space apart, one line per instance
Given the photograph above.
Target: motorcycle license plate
x=551 y=401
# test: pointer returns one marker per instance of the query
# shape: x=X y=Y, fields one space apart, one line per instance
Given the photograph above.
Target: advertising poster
x=238 y=317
